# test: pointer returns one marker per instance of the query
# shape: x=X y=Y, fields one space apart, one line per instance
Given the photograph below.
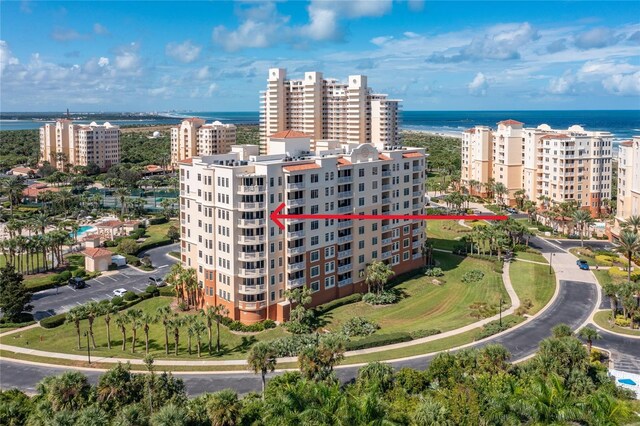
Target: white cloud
x=623 y=84
x=381 y=40
x=100 y=29
x=127 y=58
x=6 y=56
x=184 y=52
x=416 y=5
x=562 y=85
x=203 y=73
x=479 y=85
x=595 y=38
x=411 y=34
x=159 y=91
x=66 y=34
x=103 y=62
x=213 y=87
x=262 y=26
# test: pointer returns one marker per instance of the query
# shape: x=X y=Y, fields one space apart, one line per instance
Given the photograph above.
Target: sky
x=215 y=55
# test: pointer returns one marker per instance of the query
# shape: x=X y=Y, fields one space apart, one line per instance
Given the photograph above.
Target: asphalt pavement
x=58 y=300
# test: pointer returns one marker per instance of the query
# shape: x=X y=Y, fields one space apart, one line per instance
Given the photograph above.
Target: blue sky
x=214 y=56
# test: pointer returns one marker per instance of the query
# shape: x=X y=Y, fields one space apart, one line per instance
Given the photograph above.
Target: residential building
x=246 y=262
x=550 y=165
x=194 y=138
x=628 y=181
x=65 y=144
x=328 y=109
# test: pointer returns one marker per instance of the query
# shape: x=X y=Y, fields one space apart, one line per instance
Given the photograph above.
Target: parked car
x=512 y=210
x=157 y=281
x=77 y=283
x=119 y=292
x=582 y=264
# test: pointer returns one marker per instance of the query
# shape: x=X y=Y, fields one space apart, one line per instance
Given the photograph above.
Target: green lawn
x=429 y=306
x=532 y=281
x=535 y=257
x=63 y=339
x=444 y=234
x=602 y=319
x=157 y=233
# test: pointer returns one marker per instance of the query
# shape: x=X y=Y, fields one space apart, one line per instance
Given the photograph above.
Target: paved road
x=54 y=301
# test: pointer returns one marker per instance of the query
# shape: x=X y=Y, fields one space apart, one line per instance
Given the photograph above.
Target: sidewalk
x=515 y=303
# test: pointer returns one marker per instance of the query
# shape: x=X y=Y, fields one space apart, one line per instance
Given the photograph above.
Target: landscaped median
x=603 y=320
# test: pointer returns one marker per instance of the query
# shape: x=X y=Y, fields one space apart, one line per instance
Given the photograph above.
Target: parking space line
x=136 y=288
x=94 y=299
x=163 y=266
x=71 y=288
x=99 y=282
x=112 y=279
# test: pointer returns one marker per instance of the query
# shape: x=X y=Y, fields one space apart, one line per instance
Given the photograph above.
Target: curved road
x=573 y=306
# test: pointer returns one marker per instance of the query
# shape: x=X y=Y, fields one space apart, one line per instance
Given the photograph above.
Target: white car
x=119 y=292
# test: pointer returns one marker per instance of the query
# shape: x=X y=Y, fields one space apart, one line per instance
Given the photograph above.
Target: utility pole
x=86 y=333
x=501 y=302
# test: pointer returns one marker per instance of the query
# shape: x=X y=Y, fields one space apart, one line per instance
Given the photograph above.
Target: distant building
x=64 y=144
x=245 y=262
x=628 y=180
x=561 y=165
x=328 y=109
x=193 y=138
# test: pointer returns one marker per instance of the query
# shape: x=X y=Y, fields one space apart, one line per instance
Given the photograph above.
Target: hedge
x=53 y=321
x=378 y=340
x=323 y=309
x=16 y=324
x=418 y=334
x=164 y=242
x=167 y=291
x=158 y=220
x=39 y=287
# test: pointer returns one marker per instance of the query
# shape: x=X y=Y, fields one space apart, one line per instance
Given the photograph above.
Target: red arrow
x=276 y=216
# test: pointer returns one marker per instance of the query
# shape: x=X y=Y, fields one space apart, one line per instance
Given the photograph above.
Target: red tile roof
x=153 y=168
x=412 y=155
x=35 y=190
x=301 y=167
x=626 y=143
x=509 y=122
x=22 y=170
x=471 y=130
x=344 y=162
x=288 y=134
x=186 y=161
x=94 y=252
x=556 y=136
x=109 y=224
x=384 y=157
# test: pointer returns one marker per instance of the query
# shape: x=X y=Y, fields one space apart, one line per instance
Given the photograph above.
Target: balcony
x=295 y=283
x=386 y=255
x=251 y=189
x=386 y=200
x=297 y=266
x=344 y=254
x=345 y=179
x=256 y=255
x=250 y=206
x=251 y=306
x=418 y=181
x=295 y=234
x=415 y=244
x=345 y=268
x=386 y=173
x=251 y=272
x=345 y=224
x=386 y=228
x=417 y=256
x=417 y=168
x=295 y=185
x=296 y=202
x=345 y=194
x=251 y=239
x=346 y=281
x=347 y=209
x=252 y=289
x=296 y=250
x=416 y=232
x=345 y=239
x=418 y=193
x=250 y=223
x=386 y=241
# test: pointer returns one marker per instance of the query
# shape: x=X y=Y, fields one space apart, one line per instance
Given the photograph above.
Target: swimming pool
x=83 y=230
x=627 y=382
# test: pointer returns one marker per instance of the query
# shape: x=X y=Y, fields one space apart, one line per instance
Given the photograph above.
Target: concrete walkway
x=515 y=303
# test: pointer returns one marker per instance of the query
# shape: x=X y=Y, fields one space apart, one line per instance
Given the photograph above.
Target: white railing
x=345 y=239
x=296 y=185
x=251 y=239
x=250 y=206
x=295 y=283
x=345 y=268
x=296 y=202
x=295 y=250
x=297 y=266
x=345 y=209
x=251 y=256
x=416 y=232
x=251 y=222
x=415 y=244
x=345 y=282
x=345 y=179
x=252 y=289
x=386 y=254
x=295 y=234
x=345 y=194
x=386 y=241
x=344 y=254
x=251 y=306
x=345 y=224
x=250 y=189
x=251 y=273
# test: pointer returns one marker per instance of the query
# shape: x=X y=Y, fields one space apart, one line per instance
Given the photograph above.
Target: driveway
x=55 y=301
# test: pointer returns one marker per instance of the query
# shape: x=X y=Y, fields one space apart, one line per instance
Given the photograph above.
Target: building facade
x=550 y=165
x=628 y=201
x=246 y=262
x=65 y=144
x=195 y=138
x=328 y=109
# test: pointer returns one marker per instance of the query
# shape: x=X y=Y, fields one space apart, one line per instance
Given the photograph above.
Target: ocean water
x=622 y=124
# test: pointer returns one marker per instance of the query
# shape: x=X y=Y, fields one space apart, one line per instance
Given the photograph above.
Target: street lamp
x=551 y=261
x=86 y=334
x=501 y=302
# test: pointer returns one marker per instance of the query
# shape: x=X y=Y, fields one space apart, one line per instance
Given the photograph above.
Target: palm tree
x=500 y=191
x=174 y=324
x=582 y=219
x=632 y=223
x=220 y=311
x=224 y=408
x=376 y=276
x=187 y=322
x=611 y=290
x=92 y=310
x=629 y=244
x=262 y=359
x=147 y=319
x=107 y=311
x=75 y=315
x=209 y=313
x=164 y=315
x=170 y=415
x=121 y=194
x=197 y=328
x=13 y=188
x=589 y=334
x=121 y=322
x=135 y=319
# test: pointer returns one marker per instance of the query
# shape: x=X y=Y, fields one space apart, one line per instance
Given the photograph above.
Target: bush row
x=352 y=298
x=378 y=340
x=493 y=327
x=251 y=328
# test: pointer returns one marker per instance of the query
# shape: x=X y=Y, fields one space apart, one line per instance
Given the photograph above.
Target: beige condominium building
x=194 y=137
x=628 y=180
x=65 y=144
x=328 y=109
x=561 y=165
x=246 y=262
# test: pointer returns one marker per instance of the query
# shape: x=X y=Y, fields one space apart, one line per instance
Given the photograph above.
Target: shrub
x=472 y=276
x=291 y=345
x=167 y=291
x=359 y=326
x=621 y=321
x=524 y=307
x=460 y=249
x=493 y=327
x=64 y=276
x=19 y=321
x=145 y=296
x=617 y=272
x=183 y=306
x=152 y=289
x=604 y=260
x=353 y=298
x=384 y=298
x=128 y=246
x=435 y=272
x=110 y=243
x=53 y=321
x=418 y=334
x=158 y=220
x=146 y=261
x=269 y=323
x=117 y=301
x=80 y=273
x=375 y=340
x=543 y=228
x=129 y=296
x=138 y=233
x=521 y=247
x=173 y=233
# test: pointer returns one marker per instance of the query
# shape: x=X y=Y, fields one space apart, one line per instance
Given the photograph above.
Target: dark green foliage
x=384 y=298
x=64 y=276
x=444 y=152
x=173 y=233
x=353 y=298
x=152 y=289
x=116 y=301
x=53 y=321
x=167 y=291
x=129 y=296
x=359 y=326
x=378 y=340
x=158 y=220
x=14 y=296
x=19 y=147
x=472 y=276
x=15 y=407
x=137 y=148
x=418 y=334
x=247 y=328
x=494 y=327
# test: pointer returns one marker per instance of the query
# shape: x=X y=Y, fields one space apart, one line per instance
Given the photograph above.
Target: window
x=361 y=201
x=314 y=178
x=405 y=243
x=314 y=209
x=374 y=227
x=329 y=252
x=314 y=193
x=315 y=286
x=315 y=271
x=360 y=172
x=314 y=225
x=361 y=187
x=329 y=282
x=315 y=255
x=361 y=230
x=314 y=241
x=361 y=258
x=329 y=267
x=361 y=244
